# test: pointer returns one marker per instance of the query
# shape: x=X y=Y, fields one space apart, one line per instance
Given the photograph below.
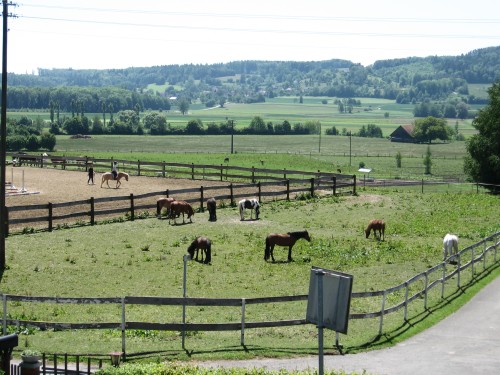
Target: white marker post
x=184 y=295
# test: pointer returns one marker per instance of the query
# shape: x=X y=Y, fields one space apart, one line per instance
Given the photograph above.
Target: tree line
x=410 y=80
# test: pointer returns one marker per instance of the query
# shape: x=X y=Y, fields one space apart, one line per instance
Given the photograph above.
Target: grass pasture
x=144 y=258
x=278 y=152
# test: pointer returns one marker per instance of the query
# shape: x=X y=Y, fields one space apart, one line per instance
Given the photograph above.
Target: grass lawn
x=144 y=257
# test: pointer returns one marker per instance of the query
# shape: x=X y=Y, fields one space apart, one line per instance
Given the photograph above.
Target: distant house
x=403 y=134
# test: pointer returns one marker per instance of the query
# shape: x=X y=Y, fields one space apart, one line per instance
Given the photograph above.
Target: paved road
x=465 y=343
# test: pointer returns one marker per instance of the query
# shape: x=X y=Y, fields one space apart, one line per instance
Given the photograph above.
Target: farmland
x=144 y=257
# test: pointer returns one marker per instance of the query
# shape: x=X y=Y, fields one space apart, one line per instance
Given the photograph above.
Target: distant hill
x=407 y=80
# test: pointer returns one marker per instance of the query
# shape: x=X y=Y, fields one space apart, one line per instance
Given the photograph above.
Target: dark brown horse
x=284 y=239
x=203 y=244
x=180 y=207
x=163 y=203
x=212 y=209
x=376 y=225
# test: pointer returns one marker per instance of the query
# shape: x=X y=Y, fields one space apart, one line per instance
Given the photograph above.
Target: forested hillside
x=409 y=80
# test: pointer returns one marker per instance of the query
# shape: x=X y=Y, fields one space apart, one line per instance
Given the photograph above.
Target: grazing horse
x=180 y=207
x=162 y=203
x=376 y=225
x=251 y=204
x=109 y=176
x=450 y=245
x=212 y=209
x=284 y=239
x=203 y=244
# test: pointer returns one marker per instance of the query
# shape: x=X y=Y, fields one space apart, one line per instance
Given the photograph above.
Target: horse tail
x=267 y=251
x=242 y=207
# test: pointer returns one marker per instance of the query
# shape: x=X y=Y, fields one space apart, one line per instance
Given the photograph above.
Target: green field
x=277 y=110
x=278 y=152
x=144 y=257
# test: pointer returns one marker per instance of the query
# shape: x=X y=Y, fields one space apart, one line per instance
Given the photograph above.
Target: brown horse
x=203 y=244
x=212 y=209
x=376 y=225
x=163 y=203
x=180 y=207
x=109 y=176
x=284 y=239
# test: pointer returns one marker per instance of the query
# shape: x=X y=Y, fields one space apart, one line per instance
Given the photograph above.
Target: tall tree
x=431 y=128
x=482 y=164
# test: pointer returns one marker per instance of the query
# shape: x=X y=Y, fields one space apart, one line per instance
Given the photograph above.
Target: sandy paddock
x=50 y=185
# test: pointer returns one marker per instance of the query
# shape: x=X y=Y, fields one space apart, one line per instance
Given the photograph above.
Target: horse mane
x=297 y=234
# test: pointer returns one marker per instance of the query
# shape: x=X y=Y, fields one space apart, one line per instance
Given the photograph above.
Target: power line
x=272 y=16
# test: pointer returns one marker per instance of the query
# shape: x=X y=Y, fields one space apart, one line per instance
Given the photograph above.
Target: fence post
x=259 y=193
x=242 y=339
x=472 y=262
x=92 y=211
x=284 y=173
x=50 y=216
x=458 y=270
x=354 y=189
x=123 y=327
x=382 y=314
x=422 y=186
x=443 y=280
x=6 y=223
x=312 y=187
x=231 y=193
x=253 y=175
x=201 y=198
x=484 y=255
x=4 y=318
x=138 y=167
x=287 y=190
x=192 y=171
x=163 y=169
x=426 y=286
x=406 y=301
x=334 y=185
x=167 y=193
x=221 y=172
x=132 y=209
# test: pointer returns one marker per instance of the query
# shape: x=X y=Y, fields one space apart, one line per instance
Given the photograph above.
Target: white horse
x=450 y=245
x=251 y=204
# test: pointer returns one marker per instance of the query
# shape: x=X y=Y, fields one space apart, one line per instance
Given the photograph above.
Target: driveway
x=465 y=343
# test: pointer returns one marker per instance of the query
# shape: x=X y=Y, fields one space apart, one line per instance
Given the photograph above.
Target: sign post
x=328 y=304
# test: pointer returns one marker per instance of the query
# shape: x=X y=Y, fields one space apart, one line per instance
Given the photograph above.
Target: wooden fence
x=51 y=215
x=179 y=170
x=477 y=258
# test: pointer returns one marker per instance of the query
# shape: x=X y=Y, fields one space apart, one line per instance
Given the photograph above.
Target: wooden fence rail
x=163 y=169
x=88 y=210
x=466 y=258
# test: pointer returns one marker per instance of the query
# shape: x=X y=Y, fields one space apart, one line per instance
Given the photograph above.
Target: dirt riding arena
x=50 y=185
x=56 y=185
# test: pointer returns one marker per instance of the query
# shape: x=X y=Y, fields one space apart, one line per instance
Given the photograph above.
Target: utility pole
x=232 y=134
x=319 y=145
x=350 y=147
x=3 y=135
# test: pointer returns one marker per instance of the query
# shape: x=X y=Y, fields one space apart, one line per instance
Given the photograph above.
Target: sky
x=109 y=34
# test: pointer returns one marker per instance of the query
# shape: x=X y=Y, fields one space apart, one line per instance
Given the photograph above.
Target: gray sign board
x=336 y=299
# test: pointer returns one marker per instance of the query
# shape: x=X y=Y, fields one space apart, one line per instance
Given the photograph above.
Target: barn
x=403 y=133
